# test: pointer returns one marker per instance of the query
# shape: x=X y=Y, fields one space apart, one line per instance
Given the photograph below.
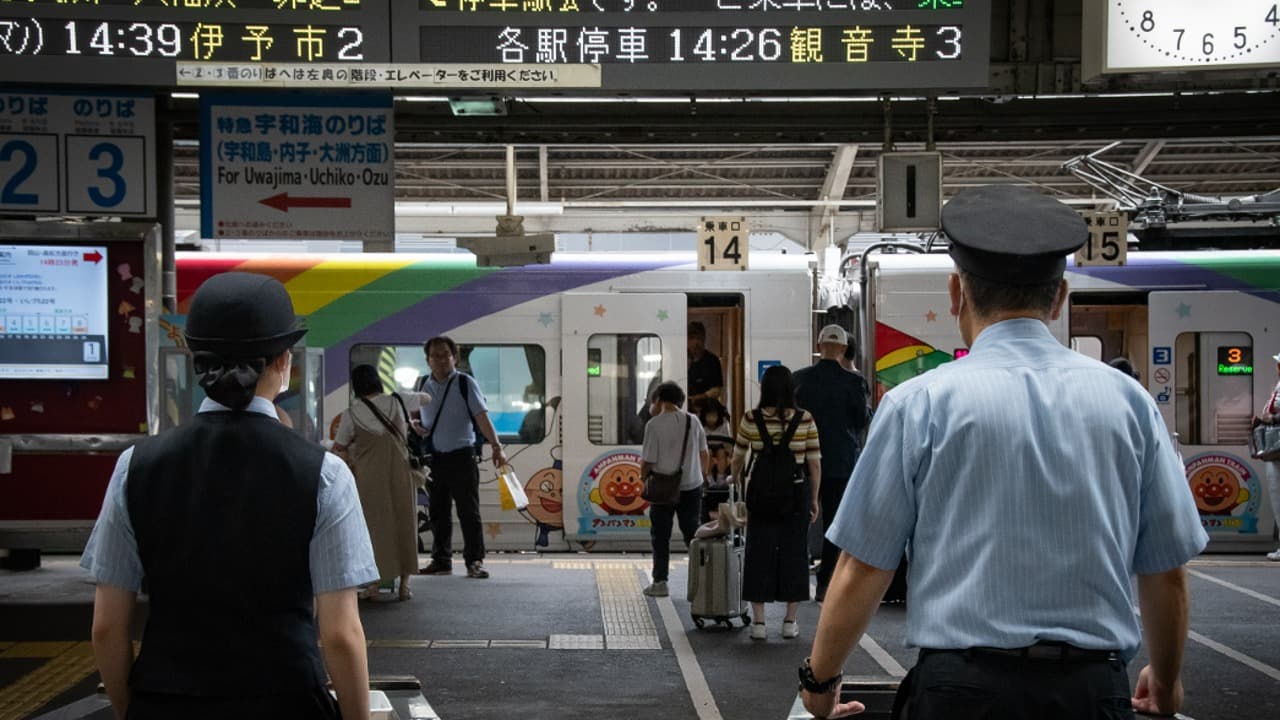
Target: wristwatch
x=812 y=684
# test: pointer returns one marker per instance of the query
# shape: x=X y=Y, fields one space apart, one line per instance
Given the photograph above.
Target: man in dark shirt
x=706 y=379
x=837 y=399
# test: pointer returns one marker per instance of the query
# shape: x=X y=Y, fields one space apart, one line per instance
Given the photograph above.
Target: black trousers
x=316 y=704
x=830 y=492
x=660 y=519
x=961 y=685
x=455 y=478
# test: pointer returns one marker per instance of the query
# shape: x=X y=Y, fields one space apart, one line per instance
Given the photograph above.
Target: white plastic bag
x=511 y=495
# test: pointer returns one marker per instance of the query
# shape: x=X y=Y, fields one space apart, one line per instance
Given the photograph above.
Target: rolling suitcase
x=715 y=579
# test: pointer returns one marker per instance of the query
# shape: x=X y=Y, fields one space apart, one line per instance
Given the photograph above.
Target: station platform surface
x=571 y=636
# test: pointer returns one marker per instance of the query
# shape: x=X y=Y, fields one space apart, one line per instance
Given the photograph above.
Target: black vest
x=224 y=508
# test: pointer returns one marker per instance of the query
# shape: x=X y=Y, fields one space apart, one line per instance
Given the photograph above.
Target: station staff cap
x=1011 y=235
x=242 y=316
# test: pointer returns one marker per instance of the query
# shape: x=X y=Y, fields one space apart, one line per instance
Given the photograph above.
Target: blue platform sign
x=1162 y=355
x=77 y=154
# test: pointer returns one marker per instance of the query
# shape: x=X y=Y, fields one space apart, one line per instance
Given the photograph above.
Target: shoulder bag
x=664 y=488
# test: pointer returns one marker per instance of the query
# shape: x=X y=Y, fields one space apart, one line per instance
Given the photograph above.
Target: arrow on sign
x=283 y=202
x=94 y=257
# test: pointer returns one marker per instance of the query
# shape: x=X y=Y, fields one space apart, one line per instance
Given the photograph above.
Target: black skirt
x=776 y=567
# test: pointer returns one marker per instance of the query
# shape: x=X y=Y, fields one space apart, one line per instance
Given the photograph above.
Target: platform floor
x=571 y=637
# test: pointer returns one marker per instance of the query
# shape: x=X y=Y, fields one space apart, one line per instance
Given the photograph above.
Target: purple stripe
x=485 y=295
x=1154 y=274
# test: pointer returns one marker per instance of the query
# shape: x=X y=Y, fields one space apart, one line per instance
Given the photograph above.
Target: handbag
x=1264 y=442
x=417 y=473
x=664 y=488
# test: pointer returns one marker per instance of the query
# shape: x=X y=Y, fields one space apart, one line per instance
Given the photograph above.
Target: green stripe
x=902 y=372
x=387 y=296
x=1260 y=272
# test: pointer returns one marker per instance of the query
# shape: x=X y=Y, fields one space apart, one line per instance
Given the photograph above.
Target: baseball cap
x=833 y=334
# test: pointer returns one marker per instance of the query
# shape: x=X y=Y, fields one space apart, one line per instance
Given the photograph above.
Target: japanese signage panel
x=352 y=77
x=1108 y=239
x=140 y=41
x=724 y=243
x=72 y=154
x=302 y=167
x=682 y=45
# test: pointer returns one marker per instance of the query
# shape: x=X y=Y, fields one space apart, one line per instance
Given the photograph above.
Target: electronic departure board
x=139 y=42
x=718 y=45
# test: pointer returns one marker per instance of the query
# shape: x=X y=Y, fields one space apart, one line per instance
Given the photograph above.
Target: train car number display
x=724 y=243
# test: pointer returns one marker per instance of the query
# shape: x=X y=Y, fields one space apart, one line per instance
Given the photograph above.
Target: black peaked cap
x=1012 y=235
x=242 y=316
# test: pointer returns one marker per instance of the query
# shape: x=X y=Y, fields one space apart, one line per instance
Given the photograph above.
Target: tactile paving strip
x=627 y=622
x=576 y=642
x=69 y=663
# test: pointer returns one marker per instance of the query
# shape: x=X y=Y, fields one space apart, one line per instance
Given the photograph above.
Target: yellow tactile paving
x=36 y=650
x=5 y=645
x=73 y=663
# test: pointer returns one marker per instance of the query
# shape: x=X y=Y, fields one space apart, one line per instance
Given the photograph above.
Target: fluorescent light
x=491 y=209
x=651 y=358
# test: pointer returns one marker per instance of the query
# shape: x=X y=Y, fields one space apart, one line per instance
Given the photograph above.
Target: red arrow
x=94 y=257
x=283 y=202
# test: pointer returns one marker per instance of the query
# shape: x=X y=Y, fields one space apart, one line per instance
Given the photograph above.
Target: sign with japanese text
x=139 y=42
x=353 y=77
x=74 y=154
x=1108 y=239
x=53 y=312
x=683 y=45
x=724 y=243
x=302 y=167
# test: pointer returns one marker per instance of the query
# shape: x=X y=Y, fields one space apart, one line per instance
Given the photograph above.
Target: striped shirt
x=341 y=555
x=1031 y=483
x=804 y=444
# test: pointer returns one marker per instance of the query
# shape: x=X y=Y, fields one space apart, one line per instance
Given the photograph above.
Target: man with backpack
x=456 y=411
x=837 y=399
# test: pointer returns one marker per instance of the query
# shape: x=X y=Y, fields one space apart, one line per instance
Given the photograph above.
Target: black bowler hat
x=242 y=316
x=1012 y=235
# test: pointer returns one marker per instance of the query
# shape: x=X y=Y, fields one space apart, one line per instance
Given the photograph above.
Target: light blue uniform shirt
x=341 y=554
x=455 y=424
x=1032 y=483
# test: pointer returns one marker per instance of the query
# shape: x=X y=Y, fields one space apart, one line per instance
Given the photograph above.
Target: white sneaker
x=790 y=630
x=1274 y=555
x=657 y=589
x=757 y=631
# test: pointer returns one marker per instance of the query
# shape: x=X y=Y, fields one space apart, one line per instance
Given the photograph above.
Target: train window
x=622 y=372
x=513 y=379
x=1213 y=393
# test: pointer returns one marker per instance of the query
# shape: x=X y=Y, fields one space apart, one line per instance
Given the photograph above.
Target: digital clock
x=1235 y=360
x=121 y=42
x=1166 y=35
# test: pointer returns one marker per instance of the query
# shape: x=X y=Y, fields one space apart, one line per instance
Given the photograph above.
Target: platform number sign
x=723 y=243
x=70 y=154
x=1108 y=239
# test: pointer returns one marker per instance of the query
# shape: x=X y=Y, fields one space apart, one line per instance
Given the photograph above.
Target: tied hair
x=232 y=383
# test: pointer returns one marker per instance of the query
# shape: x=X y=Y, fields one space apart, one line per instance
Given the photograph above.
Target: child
x=715 y=422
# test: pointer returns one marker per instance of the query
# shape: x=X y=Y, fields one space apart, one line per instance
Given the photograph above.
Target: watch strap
x=810 y=683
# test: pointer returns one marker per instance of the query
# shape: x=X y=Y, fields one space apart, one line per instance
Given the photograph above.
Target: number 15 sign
x=74 y=154
x=723 y=243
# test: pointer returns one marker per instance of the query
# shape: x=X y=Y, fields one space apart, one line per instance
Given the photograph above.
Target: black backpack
x=775 y=478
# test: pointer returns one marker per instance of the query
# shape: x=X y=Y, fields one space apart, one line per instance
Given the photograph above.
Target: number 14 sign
x=77 y=154
x=723 y=243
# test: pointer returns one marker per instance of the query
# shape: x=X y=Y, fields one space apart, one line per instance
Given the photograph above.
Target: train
x=566 y=353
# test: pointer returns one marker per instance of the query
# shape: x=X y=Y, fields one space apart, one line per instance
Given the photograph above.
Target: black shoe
x=820 y=594
x=436 y=568
x=476 y=570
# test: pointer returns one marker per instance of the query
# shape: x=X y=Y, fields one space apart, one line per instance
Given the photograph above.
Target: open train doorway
x=1107 y=326
x=721 y=317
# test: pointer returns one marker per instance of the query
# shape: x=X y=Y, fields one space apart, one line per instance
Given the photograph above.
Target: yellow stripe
x=36 y=650
x=332 y=279
x=901 y=355
x=35 y=689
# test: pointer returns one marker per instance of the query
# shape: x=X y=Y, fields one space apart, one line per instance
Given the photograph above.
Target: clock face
x=1191 y=34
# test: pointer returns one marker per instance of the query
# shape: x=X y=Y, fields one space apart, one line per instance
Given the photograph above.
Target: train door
x=1202 y=376
x=616 y=347
x=1106 y=326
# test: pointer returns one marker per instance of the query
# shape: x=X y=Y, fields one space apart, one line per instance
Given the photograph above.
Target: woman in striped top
x=776 y=567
